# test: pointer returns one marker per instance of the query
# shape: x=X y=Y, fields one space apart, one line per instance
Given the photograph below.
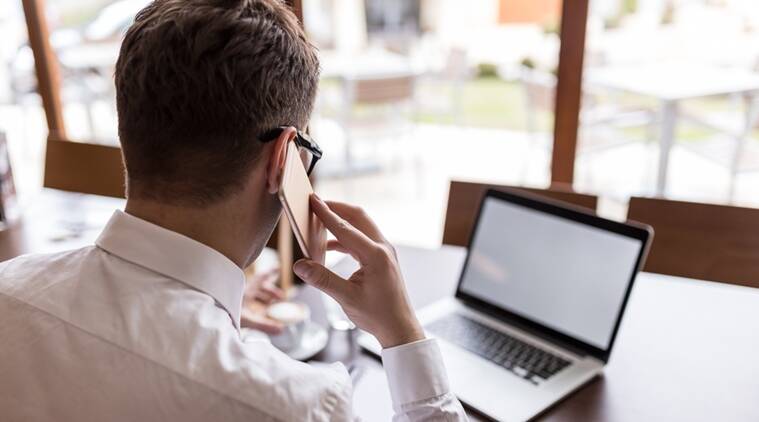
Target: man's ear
x=277 y=159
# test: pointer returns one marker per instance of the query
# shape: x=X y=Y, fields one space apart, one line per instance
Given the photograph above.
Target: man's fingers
x=262 y=286
x=358 y=243
x=268 y=294
x=335 y=245
x=263 y=297
x=274 y=291
x=261 y=323
x=323 y=279
x=358 y=219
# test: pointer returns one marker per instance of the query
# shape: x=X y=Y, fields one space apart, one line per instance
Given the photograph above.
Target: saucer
x=315 y=338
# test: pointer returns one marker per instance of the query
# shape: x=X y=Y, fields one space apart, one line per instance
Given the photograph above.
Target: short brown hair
x=197 y=82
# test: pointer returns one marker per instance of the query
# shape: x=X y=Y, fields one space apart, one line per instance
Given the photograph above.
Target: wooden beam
x=574 y=17
x=297 y=7
x=46 y=66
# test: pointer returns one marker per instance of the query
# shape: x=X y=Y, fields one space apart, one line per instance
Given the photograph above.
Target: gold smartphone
x=294 y=193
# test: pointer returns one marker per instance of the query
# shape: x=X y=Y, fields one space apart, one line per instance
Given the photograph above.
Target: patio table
x=350 y=69
x=672 y=83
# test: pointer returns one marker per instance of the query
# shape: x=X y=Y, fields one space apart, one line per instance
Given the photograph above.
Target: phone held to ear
x=294 y=192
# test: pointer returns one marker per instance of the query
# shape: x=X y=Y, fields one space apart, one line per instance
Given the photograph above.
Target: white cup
x=294 y=316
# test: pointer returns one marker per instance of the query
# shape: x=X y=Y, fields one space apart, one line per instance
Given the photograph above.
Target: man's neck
x=221 y=227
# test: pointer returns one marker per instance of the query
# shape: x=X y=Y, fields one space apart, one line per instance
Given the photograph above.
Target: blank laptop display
x=568 y=276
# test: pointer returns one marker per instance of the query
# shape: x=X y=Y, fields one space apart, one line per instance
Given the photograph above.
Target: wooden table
x=687 y=350
x=53 y=221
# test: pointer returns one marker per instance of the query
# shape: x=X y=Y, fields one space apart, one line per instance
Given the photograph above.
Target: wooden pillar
x=297 y=7
x=46 y=66
x=574 y=17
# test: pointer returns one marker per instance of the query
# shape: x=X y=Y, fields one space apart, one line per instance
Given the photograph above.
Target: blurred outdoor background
x=415 y=93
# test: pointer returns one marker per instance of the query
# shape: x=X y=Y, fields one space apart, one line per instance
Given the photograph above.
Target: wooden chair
x=703 y=241
x=376 y=107
x=381 y=90
x=464 y=201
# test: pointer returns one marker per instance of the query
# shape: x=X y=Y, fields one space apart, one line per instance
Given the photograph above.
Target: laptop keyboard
x=523 y=359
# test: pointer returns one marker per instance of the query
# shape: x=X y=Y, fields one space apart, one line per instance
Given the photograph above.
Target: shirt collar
x=176 y=256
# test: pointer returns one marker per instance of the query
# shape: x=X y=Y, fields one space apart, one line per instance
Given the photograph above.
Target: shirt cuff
x=415 y=372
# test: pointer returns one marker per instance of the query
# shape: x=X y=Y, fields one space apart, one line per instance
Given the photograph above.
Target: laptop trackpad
x=487 y=386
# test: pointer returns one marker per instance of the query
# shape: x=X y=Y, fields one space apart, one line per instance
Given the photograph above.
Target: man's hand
x=260 y=292
x=374 y=297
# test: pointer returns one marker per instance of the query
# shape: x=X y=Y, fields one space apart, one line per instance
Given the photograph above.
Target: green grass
x=491 y=102
x=486 y=102
x=494 y=103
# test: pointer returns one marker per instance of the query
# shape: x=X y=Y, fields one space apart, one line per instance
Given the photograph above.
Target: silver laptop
x=538 y=305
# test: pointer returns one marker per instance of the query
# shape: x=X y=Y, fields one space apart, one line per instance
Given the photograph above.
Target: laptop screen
x=566 y=275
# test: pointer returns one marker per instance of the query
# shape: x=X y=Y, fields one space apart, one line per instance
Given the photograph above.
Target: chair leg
x=752 y=115
x=532 y=133
x=90 y=118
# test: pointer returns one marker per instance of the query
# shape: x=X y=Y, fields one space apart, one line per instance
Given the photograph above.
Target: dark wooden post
x=297 y=7
x=46 y=66
x=574 y=17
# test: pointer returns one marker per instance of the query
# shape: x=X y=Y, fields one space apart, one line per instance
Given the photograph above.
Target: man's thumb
x=319 y=277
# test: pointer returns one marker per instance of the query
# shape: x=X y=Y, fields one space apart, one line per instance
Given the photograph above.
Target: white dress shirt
x=144 y=325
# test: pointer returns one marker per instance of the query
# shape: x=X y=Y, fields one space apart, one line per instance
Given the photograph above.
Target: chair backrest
x=381 y=90
x=464 y=202
x=703 y=241
x=456 y=64
x=540 y=90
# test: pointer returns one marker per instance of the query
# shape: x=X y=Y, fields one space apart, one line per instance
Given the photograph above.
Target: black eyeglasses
x=310 y=151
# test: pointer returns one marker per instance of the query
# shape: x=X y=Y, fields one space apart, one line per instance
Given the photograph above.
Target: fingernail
x=302 y=268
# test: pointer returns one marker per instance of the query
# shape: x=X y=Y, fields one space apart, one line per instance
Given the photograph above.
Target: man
x=144 y=325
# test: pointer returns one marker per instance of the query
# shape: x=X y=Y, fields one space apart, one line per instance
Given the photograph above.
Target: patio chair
x=443 y=96
x=464 y=202
x=702 y=241
x=376 y=107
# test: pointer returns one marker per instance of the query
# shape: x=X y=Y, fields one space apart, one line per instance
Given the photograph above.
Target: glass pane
x=670 y=100
x=416 y=93
x=21 y=116
x=86 y=36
